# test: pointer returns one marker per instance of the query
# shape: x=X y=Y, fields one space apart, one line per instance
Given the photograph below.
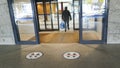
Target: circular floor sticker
x=71 y=55
x=34 y=55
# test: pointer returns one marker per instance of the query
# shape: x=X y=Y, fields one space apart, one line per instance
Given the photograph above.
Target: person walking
x=66 y=16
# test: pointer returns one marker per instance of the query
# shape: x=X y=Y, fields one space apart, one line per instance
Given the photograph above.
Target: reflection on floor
x=72 y=37
x=59 y=37
x=91 y=35
x=66 y=37
x=26 y=37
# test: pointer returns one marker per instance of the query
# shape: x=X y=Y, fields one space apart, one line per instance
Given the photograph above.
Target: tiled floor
x=92 y=56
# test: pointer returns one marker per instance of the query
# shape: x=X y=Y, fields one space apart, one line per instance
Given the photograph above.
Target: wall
x=6 y=32
x=114 y=22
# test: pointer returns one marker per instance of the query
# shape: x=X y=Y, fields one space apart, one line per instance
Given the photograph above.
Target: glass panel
x=69 y=4
x=60 y=11
x=45 y=16
x=48 y=15
x=24 y=19
x=54 y=14
x=92 y=19
x=76 y=14
x=41 y=15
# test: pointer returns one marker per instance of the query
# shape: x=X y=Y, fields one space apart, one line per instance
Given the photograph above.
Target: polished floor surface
x=60 y=37
x=92 y=56
x=66 y=37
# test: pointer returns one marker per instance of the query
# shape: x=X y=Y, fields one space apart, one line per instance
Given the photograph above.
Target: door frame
x=15 y=28
x=104 y=26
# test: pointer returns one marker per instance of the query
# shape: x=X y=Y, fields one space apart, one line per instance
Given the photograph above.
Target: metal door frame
x=15 y=28
x=104 y=28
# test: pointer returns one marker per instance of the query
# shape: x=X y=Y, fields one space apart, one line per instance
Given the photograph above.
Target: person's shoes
x=65 y=30
x=68 y=28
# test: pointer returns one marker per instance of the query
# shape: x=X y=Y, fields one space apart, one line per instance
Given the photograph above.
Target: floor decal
x=71 y=55
x=34 y=55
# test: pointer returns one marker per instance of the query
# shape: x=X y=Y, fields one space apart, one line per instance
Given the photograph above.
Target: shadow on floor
x=10 y=56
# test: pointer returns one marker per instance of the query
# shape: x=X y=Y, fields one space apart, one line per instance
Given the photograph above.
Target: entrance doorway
x=36 y=19
x=50 y=17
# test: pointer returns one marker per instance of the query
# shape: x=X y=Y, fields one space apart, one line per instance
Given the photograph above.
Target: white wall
x=6 y=32
x=114 y=22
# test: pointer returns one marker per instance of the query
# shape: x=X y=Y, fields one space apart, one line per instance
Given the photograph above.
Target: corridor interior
x=49 y=19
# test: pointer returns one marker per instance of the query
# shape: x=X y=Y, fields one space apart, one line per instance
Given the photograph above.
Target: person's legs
x=68 y=24
x=65 y=25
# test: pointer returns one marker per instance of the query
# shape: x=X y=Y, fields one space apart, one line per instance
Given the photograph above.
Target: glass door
x=93 y=21
x=48 y=15
x=76 y=14
x=24 y=21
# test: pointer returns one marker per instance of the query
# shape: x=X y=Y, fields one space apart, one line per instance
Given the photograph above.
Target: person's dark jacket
x=66 y=15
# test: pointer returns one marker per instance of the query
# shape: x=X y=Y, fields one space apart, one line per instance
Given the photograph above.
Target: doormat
x=71 y=55
x=34 y=55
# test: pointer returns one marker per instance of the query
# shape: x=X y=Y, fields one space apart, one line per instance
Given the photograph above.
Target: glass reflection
x=92 y=16
x=24 y=19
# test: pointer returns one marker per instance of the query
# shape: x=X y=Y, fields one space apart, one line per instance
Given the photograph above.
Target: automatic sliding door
x=47 y=13
x=47 y=16
x=54 y=14
x=93 y=21
x=41 y=15
x=24 y=21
